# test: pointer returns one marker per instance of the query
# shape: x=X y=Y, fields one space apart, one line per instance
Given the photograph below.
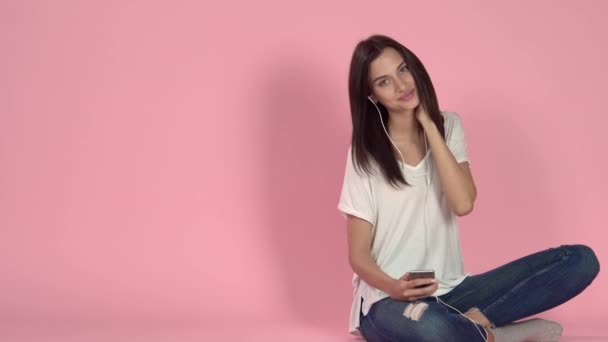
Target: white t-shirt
x=398 y=222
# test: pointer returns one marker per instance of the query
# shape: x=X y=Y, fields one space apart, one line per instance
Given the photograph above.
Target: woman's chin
x=408 y=105
x=406 y=108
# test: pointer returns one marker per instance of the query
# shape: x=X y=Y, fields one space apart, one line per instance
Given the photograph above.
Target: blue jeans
x=521 y=288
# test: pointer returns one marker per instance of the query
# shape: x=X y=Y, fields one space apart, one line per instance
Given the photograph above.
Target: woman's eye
x=383 y=82
x=404 y=69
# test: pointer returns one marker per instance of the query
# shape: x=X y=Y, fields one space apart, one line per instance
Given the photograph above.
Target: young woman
x=407 y=178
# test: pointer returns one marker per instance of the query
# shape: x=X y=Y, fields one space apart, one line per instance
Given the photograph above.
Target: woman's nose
x=400 y=84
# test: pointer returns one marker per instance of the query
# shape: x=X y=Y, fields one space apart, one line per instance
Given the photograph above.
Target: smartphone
x=416 y=274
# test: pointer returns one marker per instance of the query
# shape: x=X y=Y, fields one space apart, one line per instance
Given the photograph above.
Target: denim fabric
x=521 y=288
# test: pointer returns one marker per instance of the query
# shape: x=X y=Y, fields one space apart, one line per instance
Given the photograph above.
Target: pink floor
x=176 y=332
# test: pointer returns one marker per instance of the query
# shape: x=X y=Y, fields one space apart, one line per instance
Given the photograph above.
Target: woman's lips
x=407 y=96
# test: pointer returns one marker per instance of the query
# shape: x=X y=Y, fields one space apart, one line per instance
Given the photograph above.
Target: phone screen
x=421 y=274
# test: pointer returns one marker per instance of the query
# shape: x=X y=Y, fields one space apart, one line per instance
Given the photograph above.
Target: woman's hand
x=404 y=289
x=422 y=115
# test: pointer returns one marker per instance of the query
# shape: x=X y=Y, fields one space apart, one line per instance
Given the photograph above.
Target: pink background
x=170 y=170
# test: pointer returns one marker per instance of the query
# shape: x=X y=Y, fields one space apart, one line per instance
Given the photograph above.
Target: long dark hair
x=369 y=138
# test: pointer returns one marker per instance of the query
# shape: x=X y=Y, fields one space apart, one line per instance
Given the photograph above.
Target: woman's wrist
x=428 y=125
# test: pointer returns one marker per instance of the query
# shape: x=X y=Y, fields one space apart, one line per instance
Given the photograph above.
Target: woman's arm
x=456 y=179
x=359 y=254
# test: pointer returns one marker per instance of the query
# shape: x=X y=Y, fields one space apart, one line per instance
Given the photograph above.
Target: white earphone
x=427 y=175
x=426 y=148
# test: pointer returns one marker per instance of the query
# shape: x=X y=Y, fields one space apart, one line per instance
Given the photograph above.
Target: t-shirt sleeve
x=356 y=197
x=456 y=140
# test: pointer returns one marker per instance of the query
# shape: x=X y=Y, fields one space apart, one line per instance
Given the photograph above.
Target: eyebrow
x=379 y=77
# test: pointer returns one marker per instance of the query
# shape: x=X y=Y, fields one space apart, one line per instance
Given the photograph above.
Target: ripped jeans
x=521 y=288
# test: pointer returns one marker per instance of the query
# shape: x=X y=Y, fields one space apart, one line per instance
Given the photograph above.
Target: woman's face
x=392 y=83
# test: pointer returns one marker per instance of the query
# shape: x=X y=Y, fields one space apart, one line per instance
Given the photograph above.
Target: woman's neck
x=404 y=127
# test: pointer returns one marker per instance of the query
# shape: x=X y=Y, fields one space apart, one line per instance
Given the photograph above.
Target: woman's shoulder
x=450 y=117
x=452 y=122
x=354 y=164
